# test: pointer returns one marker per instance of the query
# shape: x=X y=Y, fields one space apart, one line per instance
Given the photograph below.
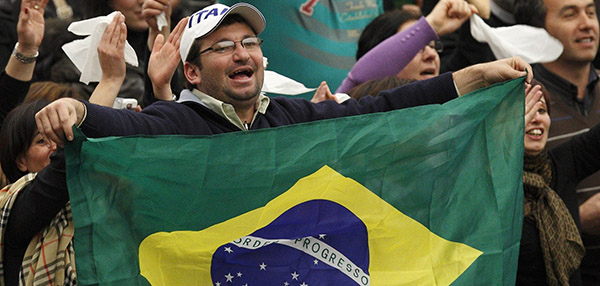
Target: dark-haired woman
x=395 y=39
x=551 y=248
x=33 y=203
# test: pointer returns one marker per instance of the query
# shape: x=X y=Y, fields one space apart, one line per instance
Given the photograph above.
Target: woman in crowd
x=397 y=39
x=551 y=247
x=60 y=69
x=35 y=207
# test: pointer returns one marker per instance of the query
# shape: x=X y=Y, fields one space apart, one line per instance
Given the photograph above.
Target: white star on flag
x=218 y=284
x=303 y=284
x=286 y=284
x=295 y=276
x=263 y=266
x=229 y=277
x=322 y=236
x=228 y=250
x=239 y=274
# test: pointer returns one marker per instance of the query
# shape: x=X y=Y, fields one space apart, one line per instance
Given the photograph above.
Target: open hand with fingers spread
x=164 y=59
x=30 y=28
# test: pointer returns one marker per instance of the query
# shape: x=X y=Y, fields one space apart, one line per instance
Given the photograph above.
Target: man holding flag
x=224 y=71
x=244 y=215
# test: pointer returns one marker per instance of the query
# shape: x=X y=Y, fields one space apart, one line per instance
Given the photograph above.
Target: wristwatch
x=23 y=58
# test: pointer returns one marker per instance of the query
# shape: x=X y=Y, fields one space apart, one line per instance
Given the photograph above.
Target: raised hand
x=111 y=53
x=448 y=15
x=30 y=27
x=164 y=60
x=532 y=101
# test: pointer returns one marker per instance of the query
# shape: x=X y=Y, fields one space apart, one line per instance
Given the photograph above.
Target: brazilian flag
x=430 y=195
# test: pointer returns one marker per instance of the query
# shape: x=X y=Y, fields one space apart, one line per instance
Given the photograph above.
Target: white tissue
x=279 y=84
x=534 y=45
x=84 y=53
x=161 y=21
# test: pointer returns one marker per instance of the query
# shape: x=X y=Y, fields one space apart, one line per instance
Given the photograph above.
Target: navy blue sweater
x=191 y=118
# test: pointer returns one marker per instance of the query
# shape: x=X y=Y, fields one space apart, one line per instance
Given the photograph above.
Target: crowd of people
x=203 y=73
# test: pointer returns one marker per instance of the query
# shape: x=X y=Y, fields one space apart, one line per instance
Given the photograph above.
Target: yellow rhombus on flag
x=401 y=251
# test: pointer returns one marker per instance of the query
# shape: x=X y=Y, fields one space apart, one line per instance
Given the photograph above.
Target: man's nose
x=240 y=53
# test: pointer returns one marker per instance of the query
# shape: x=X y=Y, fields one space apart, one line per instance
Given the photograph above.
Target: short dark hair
x=383 y=27
x=193 y=56
x=18 y=130
x=530 y=12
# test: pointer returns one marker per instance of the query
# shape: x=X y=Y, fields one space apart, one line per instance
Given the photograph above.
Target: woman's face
x=132 y=10
x=37 y=157
x=426 y=64
x=536 y=131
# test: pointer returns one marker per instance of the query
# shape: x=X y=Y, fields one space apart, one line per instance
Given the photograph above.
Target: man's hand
x=589 y=212
x=448 y=15
x=481 y=75
x=323 y=93
x=164 y=60
x=56 y=120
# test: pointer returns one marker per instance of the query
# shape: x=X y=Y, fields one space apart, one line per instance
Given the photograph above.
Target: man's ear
x=22 y=163
x=192 y=73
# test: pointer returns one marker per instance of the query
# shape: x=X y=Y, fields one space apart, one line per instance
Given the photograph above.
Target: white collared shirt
x=226 y=110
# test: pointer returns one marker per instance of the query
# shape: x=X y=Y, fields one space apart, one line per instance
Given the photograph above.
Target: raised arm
x=14 y=82
x=482 y=75
x=30 y=31
x=392 y=55
x=111 y=53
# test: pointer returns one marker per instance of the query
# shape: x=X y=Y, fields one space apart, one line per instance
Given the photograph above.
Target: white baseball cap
x=208 y=19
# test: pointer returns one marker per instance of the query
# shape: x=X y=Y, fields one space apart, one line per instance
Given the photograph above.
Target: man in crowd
x=224 y=70
x=572 y=83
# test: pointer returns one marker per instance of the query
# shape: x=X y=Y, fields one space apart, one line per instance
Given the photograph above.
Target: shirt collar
x=562 y=88
x=225 y=110
x=558 y=85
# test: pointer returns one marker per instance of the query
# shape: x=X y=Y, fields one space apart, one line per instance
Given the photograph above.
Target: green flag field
x=430 y=195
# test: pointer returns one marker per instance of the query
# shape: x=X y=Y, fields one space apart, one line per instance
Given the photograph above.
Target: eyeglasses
x=438 y=46
x=227 y=47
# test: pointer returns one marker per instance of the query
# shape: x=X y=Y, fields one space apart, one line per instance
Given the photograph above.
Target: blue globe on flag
x=318 y=242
